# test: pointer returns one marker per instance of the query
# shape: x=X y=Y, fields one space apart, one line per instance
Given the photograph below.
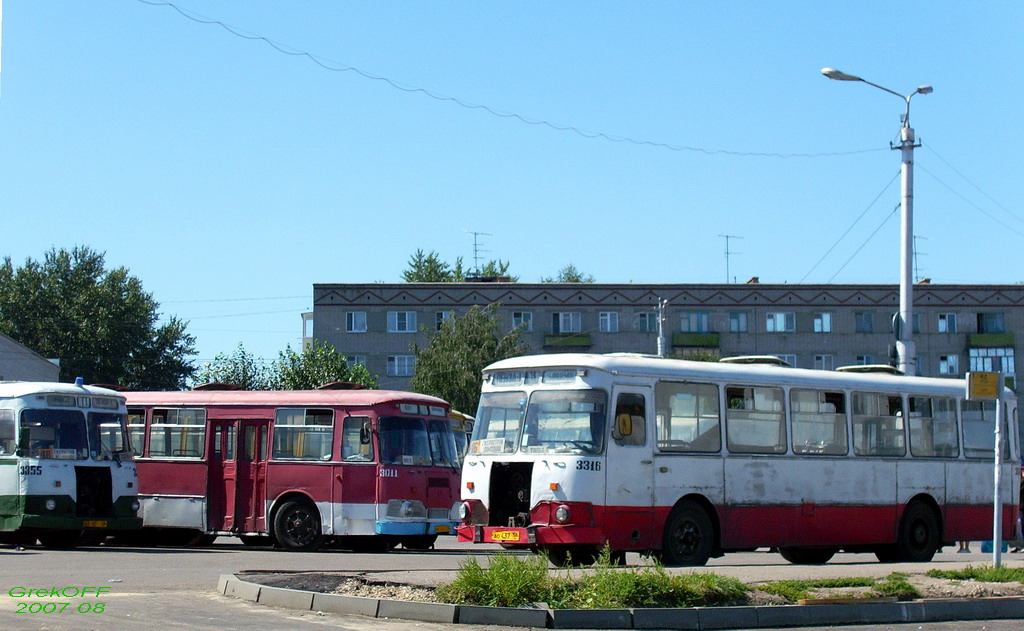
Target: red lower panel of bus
x=630 y=528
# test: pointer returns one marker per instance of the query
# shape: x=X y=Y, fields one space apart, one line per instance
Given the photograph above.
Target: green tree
x=451 y=365
x=569 y=274
x=100 y=323
x=315 y=366
x=429 y=268
x=241 y=368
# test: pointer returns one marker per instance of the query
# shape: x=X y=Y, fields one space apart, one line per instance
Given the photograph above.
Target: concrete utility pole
x=907 y=357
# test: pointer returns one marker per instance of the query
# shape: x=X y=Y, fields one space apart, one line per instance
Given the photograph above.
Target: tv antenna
x=728 y=252
x=477 y=250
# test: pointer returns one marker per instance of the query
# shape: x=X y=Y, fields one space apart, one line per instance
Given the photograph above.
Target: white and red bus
x=689 y=460
x=299 y=468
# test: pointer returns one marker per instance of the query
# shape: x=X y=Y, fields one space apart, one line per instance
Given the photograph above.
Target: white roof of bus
x=11 y=389
x=280 y=397
x=754 y=374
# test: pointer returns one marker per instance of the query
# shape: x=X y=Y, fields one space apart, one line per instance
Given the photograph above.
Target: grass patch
x=898 y=585
x=512 y=581
x=984 y=573
x=797 y=590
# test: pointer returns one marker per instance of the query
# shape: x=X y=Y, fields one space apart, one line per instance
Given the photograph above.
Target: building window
x=822 y=322
x=949 y=364
x=947 y=323
x=355 y=322
x=779 y=322
x=566 y=322
x=917 y=323
x=401 y=321
x=647 y=322
x=608 y=322
x=991 y=323
x=738 y=322
x=695 y=322
x=992 y=360
x=864 y=322
x=440 y=317
x=823 y=362
x=789 y=359
x=522 y=319
x=354 y=360
x=865 y=360
x=401 y=365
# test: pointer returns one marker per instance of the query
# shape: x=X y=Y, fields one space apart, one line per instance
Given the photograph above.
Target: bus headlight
x=407 y=509
x=465 y=511
x=135 y=506
x=562 y=514
x=51 y=504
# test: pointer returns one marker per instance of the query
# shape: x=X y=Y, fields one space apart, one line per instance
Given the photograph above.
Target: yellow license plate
x=442 y=529
x=505 y=535
x=94 y=524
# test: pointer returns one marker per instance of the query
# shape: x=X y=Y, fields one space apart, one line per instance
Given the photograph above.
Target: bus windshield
x=407 y=441
x=555 y=421
x=106 y=435
x=57 y=434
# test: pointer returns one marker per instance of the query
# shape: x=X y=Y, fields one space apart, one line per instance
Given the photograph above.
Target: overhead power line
x=339 y=67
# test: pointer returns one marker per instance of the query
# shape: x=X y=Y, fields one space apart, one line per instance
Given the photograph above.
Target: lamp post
x=907 y=358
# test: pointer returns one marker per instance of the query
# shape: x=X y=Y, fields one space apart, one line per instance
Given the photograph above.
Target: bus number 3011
x=588 y=465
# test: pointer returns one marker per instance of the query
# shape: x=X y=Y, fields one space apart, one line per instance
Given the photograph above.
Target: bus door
x=355 y=481
x=221 y=478
x=629 y=486
x=238 y=473
x=250 y=504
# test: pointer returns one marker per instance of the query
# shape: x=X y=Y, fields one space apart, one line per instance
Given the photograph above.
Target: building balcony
x=696 y=340
x=990 y=340
x=564 y=340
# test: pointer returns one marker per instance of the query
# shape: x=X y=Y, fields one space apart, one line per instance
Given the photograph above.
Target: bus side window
x=7 y=443
x=630 y=427
x=355 y=446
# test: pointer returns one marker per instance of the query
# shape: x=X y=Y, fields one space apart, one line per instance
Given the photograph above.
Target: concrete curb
x=765 y=617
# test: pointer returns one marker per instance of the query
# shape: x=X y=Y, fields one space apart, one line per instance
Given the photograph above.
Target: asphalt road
x=147 y=588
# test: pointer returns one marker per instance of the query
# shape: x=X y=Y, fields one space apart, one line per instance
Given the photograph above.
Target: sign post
x=987 y=386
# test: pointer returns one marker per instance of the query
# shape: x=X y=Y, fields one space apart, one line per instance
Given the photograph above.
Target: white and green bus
x=66 y=465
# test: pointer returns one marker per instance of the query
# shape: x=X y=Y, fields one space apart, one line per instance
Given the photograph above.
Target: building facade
x=957 y=328
x=19 y=363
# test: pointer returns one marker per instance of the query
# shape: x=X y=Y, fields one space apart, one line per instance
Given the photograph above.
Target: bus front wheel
x=807 y=556
x=297 y=526
x=918 y=538
x=689 y=536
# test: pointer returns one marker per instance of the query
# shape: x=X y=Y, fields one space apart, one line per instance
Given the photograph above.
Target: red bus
x=299 y=468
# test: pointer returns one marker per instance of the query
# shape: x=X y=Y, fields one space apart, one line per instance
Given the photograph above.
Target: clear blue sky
x=229 y=176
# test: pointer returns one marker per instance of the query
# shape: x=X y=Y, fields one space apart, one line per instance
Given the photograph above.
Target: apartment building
x=957 y=328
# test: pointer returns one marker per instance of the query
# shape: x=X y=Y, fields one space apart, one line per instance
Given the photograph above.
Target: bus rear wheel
x=689 y=536
x=297 y=526
x=807 y=556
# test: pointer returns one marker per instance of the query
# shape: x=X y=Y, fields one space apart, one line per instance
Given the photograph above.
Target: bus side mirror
x=364 y=434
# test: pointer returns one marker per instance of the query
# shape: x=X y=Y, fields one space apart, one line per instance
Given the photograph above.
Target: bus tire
x=918 y=538
x=297 y=526
x=418 y=542
x=807 y=556
x=60 y=540
x=571 y=555
x=689 y=536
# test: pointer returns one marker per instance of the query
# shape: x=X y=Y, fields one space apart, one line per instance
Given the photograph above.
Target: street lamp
x=907 y=358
